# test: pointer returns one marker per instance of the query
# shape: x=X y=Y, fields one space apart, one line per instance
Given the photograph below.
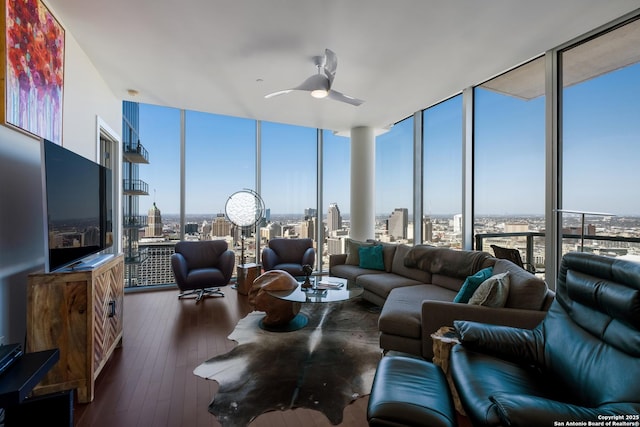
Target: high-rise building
x=154 y=222
x=221 y=226
x=334 y=219
x=427 y=229
x=133 y=155
x=270 y=231
x=206 y=228
x=398 y=222
x=191 y=228
x=336 y=245
x=308 y=228
x=457 y=224
x=156 y=268
x=310 y=212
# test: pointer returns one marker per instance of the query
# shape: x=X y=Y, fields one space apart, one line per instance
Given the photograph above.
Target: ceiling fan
x=320 y=84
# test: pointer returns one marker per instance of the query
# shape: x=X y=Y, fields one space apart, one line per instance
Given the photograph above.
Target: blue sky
x=601 y=140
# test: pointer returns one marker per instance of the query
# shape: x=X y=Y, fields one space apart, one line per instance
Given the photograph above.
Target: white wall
x=86 y=97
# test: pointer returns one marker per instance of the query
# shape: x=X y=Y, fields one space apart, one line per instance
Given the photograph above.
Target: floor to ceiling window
x=394 y=183
x=160 y=134
x=442 y=176
x=599 y=140
x=219 y=160
x=288 y=180
x=336 y=184
x=509 y=161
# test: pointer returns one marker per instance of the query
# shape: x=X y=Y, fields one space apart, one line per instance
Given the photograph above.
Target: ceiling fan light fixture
x=319 y=93
x=319 y=85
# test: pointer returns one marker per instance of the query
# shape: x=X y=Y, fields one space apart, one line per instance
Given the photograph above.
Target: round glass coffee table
x=323 y=289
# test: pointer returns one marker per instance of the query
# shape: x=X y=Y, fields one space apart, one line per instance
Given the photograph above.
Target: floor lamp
x=244 y=209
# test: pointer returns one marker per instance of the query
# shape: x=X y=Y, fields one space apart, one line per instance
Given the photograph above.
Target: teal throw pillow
x=353 y=257
x=471 y=283
x=371 y=257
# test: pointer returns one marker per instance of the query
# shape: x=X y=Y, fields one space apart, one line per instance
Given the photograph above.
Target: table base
x=298 y=322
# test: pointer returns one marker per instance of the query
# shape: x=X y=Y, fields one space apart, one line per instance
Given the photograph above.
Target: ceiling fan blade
x=337 y=96
x=280 y=92
x=330 y=64
x=315 y=82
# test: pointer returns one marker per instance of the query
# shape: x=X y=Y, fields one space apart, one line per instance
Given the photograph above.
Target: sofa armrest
x=226 y=263
x=179 y=266
x=436 y=314
x=269 y=258
x=523 y=410
x=337 y=259
x=309 y=257
x=505 y=342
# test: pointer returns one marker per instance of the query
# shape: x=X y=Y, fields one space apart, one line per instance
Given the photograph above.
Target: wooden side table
x=246 y=274
x=443 y=341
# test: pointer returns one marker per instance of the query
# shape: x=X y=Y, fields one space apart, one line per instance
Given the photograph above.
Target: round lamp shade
x=244 y=208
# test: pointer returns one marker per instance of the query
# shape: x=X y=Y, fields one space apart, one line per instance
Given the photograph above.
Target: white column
x=363 y=166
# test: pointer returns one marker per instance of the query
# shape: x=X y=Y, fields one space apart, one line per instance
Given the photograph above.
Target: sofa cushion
x=371 y=257
x=351 y=272
x=398 y=266
x=448 y=262
x=451 y=283
x=388 y=252
x=493 y=292
x=402 y=312
x=382 y=284
x=525 y=289
x=472 y=283
x=353 y=255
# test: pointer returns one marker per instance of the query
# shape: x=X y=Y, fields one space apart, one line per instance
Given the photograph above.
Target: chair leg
x=201 y=293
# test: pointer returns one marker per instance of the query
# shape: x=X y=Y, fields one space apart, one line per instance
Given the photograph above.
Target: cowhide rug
x=324 y=366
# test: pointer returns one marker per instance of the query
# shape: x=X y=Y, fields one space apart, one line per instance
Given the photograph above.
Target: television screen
x=78 y=206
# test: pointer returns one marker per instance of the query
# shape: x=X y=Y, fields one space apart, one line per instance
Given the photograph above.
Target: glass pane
x=600 y=134
x=509 y=162
x=442 y=153
x=288 y=182
x=220 y=160
x=160 y=207
x=336 y=193
x=394 y=183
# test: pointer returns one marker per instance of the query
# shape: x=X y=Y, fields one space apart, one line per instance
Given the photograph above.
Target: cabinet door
x=108 y=301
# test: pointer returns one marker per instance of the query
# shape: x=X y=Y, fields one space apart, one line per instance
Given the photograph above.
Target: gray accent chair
x=288 y=255
x=201 y=267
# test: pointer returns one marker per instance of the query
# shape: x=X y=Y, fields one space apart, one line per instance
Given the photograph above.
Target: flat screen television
x=78 y=205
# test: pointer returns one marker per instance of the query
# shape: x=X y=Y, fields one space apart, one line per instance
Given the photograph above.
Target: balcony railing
x=529 y=236
x=134 y=221
x=534 y=254
x=135 y=187
x=134 y=152
x=135 y=256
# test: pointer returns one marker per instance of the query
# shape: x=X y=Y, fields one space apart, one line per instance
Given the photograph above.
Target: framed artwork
x=33 y=60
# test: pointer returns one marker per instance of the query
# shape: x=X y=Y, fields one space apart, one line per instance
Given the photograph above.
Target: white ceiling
x=223 y=56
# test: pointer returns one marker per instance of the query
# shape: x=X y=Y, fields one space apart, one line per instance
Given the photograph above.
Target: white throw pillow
x=493 y=292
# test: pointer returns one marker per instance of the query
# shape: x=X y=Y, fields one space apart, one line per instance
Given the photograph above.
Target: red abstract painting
x=35 y=69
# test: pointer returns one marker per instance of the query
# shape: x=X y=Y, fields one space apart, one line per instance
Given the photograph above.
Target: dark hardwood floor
x=150 y=380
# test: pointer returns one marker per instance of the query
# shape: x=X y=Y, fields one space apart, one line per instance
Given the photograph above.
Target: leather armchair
x=201 y=267
x=288 y=255
x=579 y=364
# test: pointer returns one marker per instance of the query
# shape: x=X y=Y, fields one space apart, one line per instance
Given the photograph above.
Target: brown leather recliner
x=201 y=267
x=288 y=255
x=581 y=363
